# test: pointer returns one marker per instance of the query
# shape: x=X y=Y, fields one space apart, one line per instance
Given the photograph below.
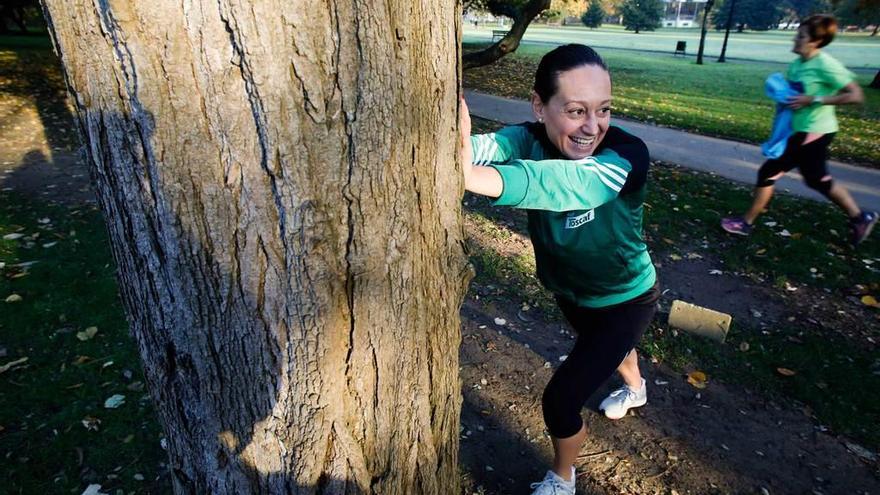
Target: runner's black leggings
x=809 y=158
x=605 y=336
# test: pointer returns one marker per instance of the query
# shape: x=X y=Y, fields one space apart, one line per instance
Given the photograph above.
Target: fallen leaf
x=870 y=301
x=91 y=423
x=93 y=489
x=500 y=322
x=12 y=237
x=715 y=272
x=114 y=401
x=8 y=366
x=784 y=233
x=80 y=360
x=786 y=372
x=861 y=452
x=697 y=378
x=87 y=334
x=674 y=257
x=14 y=298
x=761 y=251
x=744 y=346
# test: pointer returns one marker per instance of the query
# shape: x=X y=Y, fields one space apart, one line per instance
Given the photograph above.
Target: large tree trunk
x=283 y=198
x=876 y=82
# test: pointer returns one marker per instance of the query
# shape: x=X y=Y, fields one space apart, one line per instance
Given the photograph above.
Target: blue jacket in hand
x=779 y=90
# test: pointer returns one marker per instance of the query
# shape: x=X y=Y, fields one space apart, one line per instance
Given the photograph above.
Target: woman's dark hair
x=561 y=59
x=821 y=28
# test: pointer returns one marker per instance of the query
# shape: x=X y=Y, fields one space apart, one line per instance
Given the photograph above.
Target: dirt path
x=717 y=440
x=722 y=439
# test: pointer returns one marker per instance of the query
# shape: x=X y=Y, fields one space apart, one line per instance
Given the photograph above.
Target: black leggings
x=809 y=158
x=605 y=337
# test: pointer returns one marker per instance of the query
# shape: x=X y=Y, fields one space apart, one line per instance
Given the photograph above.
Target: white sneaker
x=622 y=400
x=553 y=484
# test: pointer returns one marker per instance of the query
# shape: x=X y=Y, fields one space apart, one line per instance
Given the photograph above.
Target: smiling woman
x=582 y=181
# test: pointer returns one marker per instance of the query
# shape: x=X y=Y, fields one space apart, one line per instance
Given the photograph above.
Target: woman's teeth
x=582 y=141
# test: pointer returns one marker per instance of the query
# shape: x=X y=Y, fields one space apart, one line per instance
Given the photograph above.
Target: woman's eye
x=576 y=111
x=605 y=110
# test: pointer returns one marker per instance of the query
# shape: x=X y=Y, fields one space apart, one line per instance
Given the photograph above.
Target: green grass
x=856 y=50
x=65 y=380
x=725 y=100
x=35 y=41
x=826 y=368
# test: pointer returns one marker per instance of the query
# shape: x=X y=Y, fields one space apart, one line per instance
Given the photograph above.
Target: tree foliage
x=759 y=15
x=801 y=9
x=594 y=15
x=641 y=15
x=859 y=13
x=20 y=15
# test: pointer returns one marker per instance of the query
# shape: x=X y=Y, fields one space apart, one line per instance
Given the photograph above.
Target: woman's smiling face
x=578 y=114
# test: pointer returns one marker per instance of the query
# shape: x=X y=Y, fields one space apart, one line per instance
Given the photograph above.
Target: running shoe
x=861 y=227
x=622 y=400
x=553 y=484
x=736 y=225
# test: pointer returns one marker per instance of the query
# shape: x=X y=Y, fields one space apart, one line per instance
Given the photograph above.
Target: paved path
x=730 y=159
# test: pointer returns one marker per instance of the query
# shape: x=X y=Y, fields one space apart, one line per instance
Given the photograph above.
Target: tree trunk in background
x=706 y=11
x=876 y=82
x=522 y=17
x=722 y=58
x=282 y=193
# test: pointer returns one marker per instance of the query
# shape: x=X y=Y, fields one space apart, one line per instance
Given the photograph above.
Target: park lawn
x=855 y=50
x=56 y=435
x=724 y=100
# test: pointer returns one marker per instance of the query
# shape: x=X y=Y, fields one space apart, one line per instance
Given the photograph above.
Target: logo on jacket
x=574 y=222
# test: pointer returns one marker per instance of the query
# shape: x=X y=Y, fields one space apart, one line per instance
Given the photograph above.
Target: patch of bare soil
x=722 y=439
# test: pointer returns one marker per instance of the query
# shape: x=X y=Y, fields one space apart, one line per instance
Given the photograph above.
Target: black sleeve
x=633 y=150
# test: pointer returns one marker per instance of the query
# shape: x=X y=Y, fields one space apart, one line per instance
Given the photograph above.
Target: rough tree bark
x=522 y=16
x=283 y=198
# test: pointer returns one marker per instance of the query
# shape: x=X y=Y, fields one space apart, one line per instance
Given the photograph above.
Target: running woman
x=826 y=83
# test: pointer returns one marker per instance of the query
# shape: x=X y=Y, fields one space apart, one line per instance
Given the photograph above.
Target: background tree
x=594 y=15
x=859 y=13
x=521 y=11
x=731 y=13
x=19 y=14
x=569 y=8
x=706 y=12
x=758 y=15
x=801 y=9
x=641 y=15
x=281 y=190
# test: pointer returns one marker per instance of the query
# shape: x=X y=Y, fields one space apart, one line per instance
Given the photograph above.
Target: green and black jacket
x=585 y=216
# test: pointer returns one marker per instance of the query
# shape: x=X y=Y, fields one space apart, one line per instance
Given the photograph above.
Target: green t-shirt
x=585 y=216
x=821 y=75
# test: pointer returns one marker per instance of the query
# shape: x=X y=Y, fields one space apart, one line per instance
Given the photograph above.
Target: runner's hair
x=559 y=60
